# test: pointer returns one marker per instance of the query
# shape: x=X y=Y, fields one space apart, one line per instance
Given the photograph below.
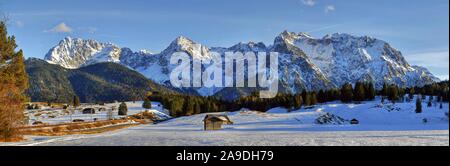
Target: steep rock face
x=305 y=63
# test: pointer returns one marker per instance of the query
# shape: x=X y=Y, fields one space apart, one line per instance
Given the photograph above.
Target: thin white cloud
x=330 y=8
x=437 y=62
x=20 y=24
x=309 y=2
x=323 y=28
x=60 y=28
x=438 y=59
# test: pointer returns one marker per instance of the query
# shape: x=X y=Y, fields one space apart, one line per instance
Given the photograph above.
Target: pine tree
x=440 y=106
x=419 y=105
x=411 y=93
x=347 y=93
x=393 y=93
x=359 y=92
x=298 y=101
x=321 y=97
x=123 y=109
x=384 y=91
x=307 y=99
x=147 y=104
x=313 y=98
x=76 y=101
x=371 y=92
x=13 y=83
x=430 y=101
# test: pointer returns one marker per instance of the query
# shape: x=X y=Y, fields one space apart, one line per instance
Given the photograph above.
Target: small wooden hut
x=215 y=122
x=354 y=122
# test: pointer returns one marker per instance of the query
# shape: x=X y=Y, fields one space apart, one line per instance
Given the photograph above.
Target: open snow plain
x=380 y=125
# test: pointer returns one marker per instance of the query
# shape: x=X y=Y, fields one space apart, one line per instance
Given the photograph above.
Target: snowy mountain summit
x=75 y=53
x=305 y=62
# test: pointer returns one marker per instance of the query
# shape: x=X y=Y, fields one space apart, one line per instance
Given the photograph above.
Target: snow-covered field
x=380 y=125
x=57 y=116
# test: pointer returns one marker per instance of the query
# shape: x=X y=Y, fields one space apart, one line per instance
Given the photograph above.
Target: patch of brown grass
x=76 y=128
x=15 y=139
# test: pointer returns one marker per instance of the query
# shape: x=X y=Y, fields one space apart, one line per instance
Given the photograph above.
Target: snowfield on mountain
x=379 y=125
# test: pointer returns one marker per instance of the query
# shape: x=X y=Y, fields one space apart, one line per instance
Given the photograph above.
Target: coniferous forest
x=185 y=105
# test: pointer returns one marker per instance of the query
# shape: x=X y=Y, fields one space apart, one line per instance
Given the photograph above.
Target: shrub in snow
x=147 y=104
x=123 y=109
x=425 y=120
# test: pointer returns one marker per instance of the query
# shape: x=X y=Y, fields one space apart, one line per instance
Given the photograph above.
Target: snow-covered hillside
x=386 y=124
x=306 y=63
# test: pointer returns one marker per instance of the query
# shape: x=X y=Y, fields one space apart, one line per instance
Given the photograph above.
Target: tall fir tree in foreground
x=13 y=83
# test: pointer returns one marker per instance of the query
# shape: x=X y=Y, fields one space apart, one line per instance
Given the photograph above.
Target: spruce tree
x=384 y=91
x=347 y=93
x=430 y=101
x=411 y=93
x=13 y=84
x=298 y=101
x=307 y=99
x=371 y=92
x=419 y=105
x=76 y=101
x=359 y=92
x=313 y=98
x=321 y=97
x=393 y=93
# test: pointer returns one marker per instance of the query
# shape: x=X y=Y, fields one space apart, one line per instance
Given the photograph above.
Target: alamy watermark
x=213 y=70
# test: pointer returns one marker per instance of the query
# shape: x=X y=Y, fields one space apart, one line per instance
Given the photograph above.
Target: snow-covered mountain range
x=304 y=62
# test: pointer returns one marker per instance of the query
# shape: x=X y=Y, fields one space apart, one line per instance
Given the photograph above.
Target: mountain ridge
x=306 y=63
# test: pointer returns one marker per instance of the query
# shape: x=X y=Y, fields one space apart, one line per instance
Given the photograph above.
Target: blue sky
x=420 y=29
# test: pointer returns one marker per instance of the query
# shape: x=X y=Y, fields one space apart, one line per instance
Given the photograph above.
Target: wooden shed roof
x=217 y=117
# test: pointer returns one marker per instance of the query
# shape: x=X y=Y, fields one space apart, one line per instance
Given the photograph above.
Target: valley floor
x=380 y=125
x=149 y=135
